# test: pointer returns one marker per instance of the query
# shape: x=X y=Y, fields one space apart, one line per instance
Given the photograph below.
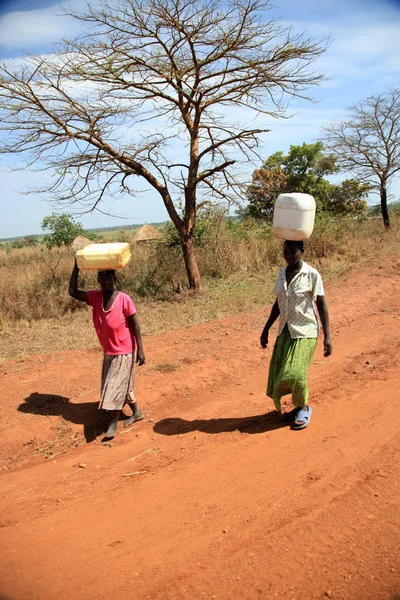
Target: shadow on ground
x=255 y=424
x=87 y=414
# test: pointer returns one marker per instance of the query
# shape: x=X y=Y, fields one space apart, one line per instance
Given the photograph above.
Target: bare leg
x=137 y=414
x=112 y=428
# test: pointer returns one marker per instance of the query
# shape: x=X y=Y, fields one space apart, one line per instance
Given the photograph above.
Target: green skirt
x=288 y=369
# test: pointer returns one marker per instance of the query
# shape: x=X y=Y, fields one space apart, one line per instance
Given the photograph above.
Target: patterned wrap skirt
x=288 y=369
x=117 y=381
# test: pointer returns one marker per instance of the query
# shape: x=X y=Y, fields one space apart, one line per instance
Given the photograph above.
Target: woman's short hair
x=296 y=243
x=106 y=272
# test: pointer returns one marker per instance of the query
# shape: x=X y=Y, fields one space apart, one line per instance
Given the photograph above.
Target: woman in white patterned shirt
x=297 y=288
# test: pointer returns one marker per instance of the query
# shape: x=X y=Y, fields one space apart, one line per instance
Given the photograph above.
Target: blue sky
x=363 y=59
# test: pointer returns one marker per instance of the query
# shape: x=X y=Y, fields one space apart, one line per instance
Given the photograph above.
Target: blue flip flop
x=303 y=415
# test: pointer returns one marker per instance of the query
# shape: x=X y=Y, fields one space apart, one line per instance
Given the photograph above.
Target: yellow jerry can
x=102 y=257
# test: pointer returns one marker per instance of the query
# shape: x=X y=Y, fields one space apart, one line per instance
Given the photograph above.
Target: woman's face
x=106 y=280
x=292 y=253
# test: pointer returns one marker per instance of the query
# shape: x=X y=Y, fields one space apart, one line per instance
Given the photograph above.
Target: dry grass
x=63 y=437
x=166 y=367
x=239 y=267
x=22 y=338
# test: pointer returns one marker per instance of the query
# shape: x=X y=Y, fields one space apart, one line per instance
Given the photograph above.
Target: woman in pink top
x=117 y=327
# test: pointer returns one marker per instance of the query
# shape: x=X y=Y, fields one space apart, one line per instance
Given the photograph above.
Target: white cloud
x=359 y=50
x=29 y=29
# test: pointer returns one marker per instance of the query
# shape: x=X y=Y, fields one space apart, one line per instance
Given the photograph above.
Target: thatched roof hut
x=147 y=233
x=80 y=242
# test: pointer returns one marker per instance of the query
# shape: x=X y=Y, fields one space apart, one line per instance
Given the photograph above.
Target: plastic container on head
x=294 y=216
x=102 y=257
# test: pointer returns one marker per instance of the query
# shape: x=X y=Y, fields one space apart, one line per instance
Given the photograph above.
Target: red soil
x=211 y=496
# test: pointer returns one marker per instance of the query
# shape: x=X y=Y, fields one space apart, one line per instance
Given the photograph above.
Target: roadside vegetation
x=238 y=258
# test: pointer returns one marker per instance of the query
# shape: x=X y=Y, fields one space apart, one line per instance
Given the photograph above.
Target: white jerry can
x=294 y=216
x=103 y=257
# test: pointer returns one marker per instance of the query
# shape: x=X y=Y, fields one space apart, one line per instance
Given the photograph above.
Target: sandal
x=303 y=418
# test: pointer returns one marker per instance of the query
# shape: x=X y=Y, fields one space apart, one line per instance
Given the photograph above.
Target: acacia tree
x=367 y=143
x=186 y=69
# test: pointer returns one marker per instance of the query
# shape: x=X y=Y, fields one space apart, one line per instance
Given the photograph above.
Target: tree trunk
x=189 y=256
x=384 y=208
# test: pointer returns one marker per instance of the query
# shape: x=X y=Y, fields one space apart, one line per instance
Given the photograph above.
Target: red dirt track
x=211 y=496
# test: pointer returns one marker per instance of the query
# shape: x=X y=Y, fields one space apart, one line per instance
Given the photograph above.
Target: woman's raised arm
x=73 y=286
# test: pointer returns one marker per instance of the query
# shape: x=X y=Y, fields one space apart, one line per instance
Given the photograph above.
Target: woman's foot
x=137 y=415
x=111 y=431
x=112 y=428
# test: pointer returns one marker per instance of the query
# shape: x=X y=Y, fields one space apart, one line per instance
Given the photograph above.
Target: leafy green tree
x=64 y=229
x=268 y=182
x=347 y=199
x=304 y=169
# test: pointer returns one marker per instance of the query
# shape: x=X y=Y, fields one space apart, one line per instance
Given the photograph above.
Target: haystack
x=80 y=242
x=147 y=233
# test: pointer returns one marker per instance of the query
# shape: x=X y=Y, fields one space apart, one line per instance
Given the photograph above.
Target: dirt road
x=211 y=496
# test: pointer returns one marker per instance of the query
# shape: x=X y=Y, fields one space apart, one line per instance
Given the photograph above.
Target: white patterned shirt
x=296 y=302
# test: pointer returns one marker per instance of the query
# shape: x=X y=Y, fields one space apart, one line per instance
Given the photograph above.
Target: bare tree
x=186 y=70
x=367 y=143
